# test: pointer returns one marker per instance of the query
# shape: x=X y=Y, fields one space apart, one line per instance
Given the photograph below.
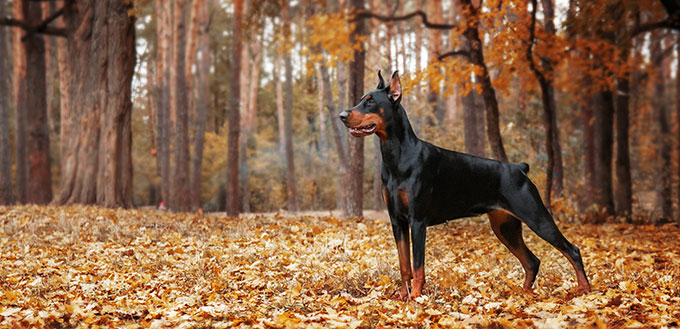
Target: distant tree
x=544 y=75
x=434 y=49
x=203 y=89
x=474 y=127
x=163 y=63
x=476 y=57
x=288 y=114
x=356 y=145
x=6 y=196
x=233 y=200
x=181 y=195
x=663 y=131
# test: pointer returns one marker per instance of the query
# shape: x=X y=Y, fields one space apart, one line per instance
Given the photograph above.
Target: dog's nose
x=344 y=115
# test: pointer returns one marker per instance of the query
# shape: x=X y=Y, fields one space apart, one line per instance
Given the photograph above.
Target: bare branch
x=669 y=23
x=366 y=14
x=41 y=28
x=12 y=22
x=531 y=41
x=455 y=53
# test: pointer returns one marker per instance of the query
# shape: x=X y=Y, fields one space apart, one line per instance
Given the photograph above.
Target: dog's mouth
x=362 y=130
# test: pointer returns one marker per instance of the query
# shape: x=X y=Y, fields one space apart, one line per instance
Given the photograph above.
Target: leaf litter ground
x=83 y=266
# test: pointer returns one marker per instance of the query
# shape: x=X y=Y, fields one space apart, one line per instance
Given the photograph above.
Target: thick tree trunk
x=101 y=47
x=20 y=96
x=623 y=194
x=233 y=190
x=663 y=135
x=163 y=62
x=488 y=92
x=39 y=188
x=181 y=200
x=355 y=200
x=203 y=88
x=6 y=196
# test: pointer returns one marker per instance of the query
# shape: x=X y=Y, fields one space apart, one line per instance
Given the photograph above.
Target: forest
x=225 y=114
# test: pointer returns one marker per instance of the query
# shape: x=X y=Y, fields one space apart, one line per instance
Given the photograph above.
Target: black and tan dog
x=425 y=185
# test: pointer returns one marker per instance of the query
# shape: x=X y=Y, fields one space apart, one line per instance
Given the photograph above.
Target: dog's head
x=375 y=109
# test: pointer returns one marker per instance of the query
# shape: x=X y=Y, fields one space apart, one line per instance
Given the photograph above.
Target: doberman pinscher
x=425 y=185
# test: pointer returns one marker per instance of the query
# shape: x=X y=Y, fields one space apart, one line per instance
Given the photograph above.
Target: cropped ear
x=395 y=87
x=381 y=84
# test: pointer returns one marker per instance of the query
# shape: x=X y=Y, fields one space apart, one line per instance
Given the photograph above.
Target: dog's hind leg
x=508 y=229
x=526 y=205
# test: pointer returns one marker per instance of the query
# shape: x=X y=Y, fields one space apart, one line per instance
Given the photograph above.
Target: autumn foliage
x=93 y=267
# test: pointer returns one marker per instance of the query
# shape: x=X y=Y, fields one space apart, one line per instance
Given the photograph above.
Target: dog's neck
x=400 y=139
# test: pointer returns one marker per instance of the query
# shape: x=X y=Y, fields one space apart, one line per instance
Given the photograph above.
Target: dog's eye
x=370 y=102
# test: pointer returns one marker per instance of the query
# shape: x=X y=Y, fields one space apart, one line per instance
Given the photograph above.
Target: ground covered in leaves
x=86 y=267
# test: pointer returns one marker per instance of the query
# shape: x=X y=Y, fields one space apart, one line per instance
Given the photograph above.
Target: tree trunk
x=51 y=77
x=589 y=149
x=181 y=194
x=6 y=196
x=278 y=67
x=663 y=137
x=604 y=139
x=101 y=47
x=251 y=114
x=677 y=114
x=343 y=91
x=337 y=135
x=323 y=142
x=203 y=88
x=244 y=78
x=343 y=176
x=20 y=108
x=434 y=49
x=623 y=194
x=558 y=168
x=288 y=116
x=163 y=63
x=488 y=92
x=473 y=122
x=374 y=60
x=233 y=190
x=356 y=145
x=39 y=188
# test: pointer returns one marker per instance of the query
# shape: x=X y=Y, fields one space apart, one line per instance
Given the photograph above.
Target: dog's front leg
x=401 y=235
x=418 y=229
